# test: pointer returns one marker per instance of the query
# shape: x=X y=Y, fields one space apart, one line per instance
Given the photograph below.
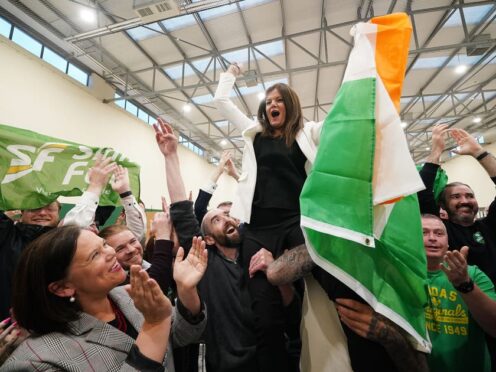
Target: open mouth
x=116 y=267
x=275 y=113
x=230 y=230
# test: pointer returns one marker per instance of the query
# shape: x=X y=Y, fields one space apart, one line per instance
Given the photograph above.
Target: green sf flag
x=35 y=169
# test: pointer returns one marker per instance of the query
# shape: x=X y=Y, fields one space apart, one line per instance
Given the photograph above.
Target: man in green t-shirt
x=462 y=305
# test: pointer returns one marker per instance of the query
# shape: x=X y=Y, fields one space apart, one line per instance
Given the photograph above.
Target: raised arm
x=468 y=145
x=427 y=201
x=135 y=215
x=167 y=143
x=206 y=191
x=83 y=212
x=224 y=104
x=181 y=211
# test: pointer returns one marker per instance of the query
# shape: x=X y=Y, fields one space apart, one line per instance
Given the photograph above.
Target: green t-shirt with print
x=458 y=342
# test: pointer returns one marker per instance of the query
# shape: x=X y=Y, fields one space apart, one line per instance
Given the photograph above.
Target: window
x=132 y=109
x=27 y=42
x=77 y=74
x=5 y=28
x=54 y=59
x=121 y=103
x=143 y=115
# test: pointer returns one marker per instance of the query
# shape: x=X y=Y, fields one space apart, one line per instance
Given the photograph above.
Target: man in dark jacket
x=13 y=239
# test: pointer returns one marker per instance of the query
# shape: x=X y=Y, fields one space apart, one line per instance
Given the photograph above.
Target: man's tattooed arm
x=290 y=266
x=365 y=322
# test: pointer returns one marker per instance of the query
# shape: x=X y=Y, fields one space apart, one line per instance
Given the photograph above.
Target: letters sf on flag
x=35 y=169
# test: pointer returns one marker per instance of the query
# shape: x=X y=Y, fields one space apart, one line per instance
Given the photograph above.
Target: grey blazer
x=93 y=345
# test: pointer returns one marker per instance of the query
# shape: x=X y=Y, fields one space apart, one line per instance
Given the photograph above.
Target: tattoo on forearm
x=404 y=356
x=291 y=266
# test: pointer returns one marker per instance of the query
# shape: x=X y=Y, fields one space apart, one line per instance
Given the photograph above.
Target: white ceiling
x=305 y=43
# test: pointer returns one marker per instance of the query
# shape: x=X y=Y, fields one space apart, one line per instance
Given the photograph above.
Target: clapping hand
x=188 y=272
x=148 y=297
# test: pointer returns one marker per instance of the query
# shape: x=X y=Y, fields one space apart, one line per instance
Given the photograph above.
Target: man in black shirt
x=460 y=203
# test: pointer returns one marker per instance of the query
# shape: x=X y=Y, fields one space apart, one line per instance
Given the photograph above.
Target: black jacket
x=13 y=239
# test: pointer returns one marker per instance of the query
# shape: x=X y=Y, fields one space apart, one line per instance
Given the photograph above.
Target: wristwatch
x=465 y=287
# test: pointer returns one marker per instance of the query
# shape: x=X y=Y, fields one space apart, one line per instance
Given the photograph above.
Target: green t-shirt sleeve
x=482 y=281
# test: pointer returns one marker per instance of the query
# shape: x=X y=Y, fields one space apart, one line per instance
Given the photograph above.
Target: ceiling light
x=261 y=96
x=477 y=119
x=186 y=107
x=404 y=124
x=460 y=69
x=427 y=148
x=223 y=142
x=88 y=15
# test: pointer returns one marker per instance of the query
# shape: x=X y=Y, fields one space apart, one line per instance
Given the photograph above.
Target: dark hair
x=44 y=261
x=112 y=230
x=294 y=115
x=225 y=204
x=443 y=194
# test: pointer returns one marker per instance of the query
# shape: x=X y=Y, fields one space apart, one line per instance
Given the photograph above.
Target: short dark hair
x=225 y=204
x=44 y=261
x=443 y=194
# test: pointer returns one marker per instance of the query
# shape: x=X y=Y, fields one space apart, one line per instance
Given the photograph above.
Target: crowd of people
x=78 y=297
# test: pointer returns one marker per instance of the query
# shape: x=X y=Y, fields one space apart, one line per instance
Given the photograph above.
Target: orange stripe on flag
x=391 y=51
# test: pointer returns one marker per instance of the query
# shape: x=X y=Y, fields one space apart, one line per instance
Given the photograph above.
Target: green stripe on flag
x=343 y=168
x=337 y=213
x=35 y=169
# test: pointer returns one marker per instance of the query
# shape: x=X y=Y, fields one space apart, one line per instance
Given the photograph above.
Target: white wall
x=36 y=96
x=466 y=169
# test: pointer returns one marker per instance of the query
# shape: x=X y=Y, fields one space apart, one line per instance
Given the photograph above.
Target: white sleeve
x=83 y=213
x=135 y=216
x=209 y=187
x=225 y=106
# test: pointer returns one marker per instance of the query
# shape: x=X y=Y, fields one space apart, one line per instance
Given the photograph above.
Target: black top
x=280 y=176
x=230 y=337
x=479 y=237
x=13 y=239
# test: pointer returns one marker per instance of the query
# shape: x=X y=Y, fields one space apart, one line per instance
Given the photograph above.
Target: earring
x=72 y=299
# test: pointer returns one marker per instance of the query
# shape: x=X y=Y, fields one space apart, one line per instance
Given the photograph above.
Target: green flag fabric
x=35 y=169
x=360 y=214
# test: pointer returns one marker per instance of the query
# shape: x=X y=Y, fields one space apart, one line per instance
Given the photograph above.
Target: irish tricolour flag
x=360 y=214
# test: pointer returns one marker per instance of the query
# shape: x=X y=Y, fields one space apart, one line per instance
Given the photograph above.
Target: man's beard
x=465 y=218
x=229 y=242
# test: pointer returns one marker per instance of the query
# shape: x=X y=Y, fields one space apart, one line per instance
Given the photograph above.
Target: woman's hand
x=148 y=297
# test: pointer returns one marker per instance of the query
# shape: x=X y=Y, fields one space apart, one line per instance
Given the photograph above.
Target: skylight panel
x=145 y=32
x=179 y=22
x=218 y=11
x=472 y=14
x=429 y=62
x=200 y=100
x=176 y=72
x=272 y=49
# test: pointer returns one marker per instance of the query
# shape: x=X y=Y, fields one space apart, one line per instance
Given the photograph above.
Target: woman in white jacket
x=278 y=153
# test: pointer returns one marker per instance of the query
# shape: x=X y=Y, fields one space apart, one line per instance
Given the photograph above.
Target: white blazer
x=307 y=139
